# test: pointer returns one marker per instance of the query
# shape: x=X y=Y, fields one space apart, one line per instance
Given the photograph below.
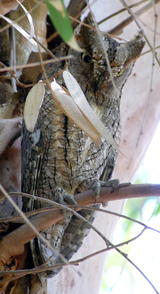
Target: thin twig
x=128 y=20
x=138 y=269
x=35 y=229
x=154 y=56
x=28 y=222
x=70 y=206
x=43 y=267
x=33 y=64
x=148 y=51
x=119 y=215
x=36 y=270
x=24 y=234
x=120 y=11
x=134 y=15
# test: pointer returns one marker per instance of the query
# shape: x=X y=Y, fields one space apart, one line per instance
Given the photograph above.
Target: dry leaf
x=33 y=103
x=69 y=107
x=32 y=31
x=9 y=131
x=21 y=31
x=81 y=101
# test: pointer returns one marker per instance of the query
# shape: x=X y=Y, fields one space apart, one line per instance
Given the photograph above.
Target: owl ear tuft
x=88 y=34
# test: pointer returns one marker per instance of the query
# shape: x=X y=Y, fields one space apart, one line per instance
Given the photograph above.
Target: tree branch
x=128 y=20
x=13 y=243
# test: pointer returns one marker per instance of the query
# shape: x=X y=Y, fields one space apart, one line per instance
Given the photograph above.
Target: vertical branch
x=134 y=16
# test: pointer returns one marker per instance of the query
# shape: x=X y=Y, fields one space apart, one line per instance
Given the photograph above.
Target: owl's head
x=92 y=66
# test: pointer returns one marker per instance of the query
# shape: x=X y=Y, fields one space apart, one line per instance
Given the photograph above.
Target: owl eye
x=120 y=72
x=86 y=58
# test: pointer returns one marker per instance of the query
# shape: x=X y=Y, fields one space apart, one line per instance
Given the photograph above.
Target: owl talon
x=99 y=184
x=62 y=197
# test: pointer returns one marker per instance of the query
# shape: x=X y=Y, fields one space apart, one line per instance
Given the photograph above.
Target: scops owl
x=58 y=154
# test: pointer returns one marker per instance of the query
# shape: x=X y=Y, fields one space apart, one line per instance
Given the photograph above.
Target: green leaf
x=60 y=19
x=157 y=211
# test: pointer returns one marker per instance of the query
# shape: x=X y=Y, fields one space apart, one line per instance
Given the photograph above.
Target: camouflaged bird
x=58 y=154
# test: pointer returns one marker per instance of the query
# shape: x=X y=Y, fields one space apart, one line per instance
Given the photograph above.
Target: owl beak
x=99 y=74
x=98 y=82
x=97 y=85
